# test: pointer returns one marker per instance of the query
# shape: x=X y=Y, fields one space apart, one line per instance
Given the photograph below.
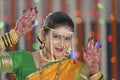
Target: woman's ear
x=42 y=35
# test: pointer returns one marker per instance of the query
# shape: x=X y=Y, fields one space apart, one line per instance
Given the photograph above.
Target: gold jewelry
x=5 y=41
x=6 y=62
x=13 y=36
x=95 y=76
x=8 y=39
x=68 y=52
x=41 y=55
x=2 y=43
x=40 y=71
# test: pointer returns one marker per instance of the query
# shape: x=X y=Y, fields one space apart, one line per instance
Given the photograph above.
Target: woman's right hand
x=25 y=22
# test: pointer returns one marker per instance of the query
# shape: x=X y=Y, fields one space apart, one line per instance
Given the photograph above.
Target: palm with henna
x=91 y=55
x=25 y=22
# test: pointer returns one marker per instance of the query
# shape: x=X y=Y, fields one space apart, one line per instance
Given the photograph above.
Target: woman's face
x=58 y=41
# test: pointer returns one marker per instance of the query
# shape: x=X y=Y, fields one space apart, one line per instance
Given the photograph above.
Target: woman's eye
x=68 y=38
x=55 y=36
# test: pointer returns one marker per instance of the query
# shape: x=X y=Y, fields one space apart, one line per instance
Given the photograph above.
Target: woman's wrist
x=97 y=76
x=18 y=34
x=8 y=39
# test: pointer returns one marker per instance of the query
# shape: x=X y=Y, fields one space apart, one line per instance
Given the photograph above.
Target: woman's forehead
x=62 y=31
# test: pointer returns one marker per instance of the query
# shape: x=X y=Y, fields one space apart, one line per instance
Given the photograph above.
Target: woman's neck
x=46 y=54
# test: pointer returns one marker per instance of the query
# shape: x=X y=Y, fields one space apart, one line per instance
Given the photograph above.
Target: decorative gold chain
x=40 y=71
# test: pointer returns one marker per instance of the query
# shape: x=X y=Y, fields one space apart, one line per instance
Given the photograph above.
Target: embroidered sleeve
x=6 y=64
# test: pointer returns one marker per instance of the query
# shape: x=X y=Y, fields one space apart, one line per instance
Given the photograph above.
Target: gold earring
x=68 y=52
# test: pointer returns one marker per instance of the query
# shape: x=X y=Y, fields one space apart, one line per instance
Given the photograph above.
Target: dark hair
x=57 y=18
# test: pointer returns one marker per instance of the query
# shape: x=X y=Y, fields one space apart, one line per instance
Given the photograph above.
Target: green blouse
x=23 y=64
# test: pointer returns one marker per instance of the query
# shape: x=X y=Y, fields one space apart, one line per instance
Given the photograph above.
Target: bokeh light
x=78 y=20
x=41 y=19
x=1 y=25
x=36 y=1
x=90 y=13
x=112 y=17
x=5 y=17
x=92 y=34
x=101 y=21
x=109 y=38
x=99 y=37
x=29 y=37
x=98 y=45
x=36 y=22
x=100 y=5
x=73 y=55
x=99 y=0
x=77 y=13
x=113 y=79
x=35 y=46
x=113 y=59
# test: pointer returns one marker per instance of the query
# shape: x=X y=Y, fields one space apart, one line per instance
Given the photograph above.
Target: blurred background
x=92 y=18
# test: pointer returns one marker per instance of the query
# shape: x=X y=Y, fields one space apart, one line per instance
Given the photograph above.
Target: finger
x=32 y=26
x=33 y=12
x=20 y=17
x=92 y=42
x=27 y=13
x=36 y=9
x=88 y=44
x=33 y=17
x=22 y=14
x=84 y=53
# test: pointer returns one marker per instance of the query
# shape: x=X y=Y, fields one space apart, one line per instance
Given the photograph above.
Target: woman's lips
x=59 y=49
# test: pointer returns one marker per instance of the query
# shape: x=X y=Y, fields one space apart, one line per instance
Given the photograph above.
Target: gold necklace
x=40 y=71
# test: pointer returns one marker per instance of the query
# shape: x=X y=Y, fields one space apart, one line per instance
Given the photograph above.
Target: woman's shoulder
x=20 y=52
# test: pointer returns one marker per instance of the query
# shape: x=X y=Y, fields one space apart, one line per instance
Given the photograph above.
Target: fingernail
x=89 y=39
x=35 y=8
x=23 y=10
x=92 y=38
x=33 y=22
x=31 y=9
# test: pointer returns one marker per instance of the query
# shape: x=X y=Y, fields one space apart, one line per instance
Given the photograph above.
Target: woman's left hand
x=91 y=55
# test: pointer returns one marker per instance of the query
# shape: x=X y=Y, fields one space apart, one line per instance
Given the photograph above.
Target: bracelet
x=8 y=39
x=4 y=40
x=101 y=78
x=96 y=76
x=2 y=43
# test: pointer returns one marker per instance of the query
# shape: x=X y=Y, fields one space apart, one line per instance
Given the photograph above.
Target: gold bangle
x=11 y=37
x=14 y=36
x=95 y=76
x=6 y=62
x=5 y=41
x=2 y=43
x=8 y=39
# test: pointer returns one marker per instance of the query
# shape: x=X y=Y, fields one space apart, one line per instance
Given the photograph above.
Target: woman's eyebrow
x=59 y=34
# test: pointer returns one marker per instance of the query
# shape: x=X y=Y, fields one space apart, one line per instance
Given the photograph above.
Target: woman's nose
x=61 y=42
